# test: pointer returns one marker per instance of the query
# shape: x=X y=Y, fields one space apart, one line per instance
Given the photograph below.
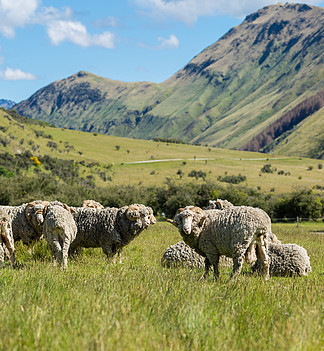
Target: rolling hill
x=238 y=93
x=110 y=160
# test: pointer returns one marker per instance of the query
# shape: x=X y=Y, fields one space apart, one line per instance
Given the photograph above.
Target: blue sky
x=129 y=40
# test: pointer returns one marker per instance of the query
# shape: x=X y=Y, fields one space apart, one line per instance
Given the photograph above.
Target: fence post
x=297 y=222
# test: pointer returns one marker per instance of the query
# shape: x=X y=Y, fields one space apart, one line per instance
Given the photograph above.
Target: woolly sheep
x=91 y=203
x=286 y=260
x=6 y=239
x=218 y=204
x=25 y=221
x=180 y=254
x=59 y=230
x=110 y=228
x=232 y=232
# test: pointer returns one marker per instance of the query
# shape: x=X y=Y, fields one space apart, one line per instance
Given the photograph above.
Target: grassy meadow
x=139 y=305
x=145 y=162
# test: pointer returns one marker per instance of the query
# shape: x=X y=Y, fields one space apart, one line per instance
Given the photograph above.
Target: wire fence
x=296 y=220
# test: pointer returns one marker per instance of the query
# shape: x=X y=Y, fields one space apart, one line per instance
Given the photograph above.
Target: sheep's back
x=232 y=225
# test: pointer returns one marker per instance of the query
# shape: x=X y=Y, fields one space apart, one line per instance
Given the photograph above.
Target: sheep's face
x=189 y=220
x=6 y=233
x=141 y=215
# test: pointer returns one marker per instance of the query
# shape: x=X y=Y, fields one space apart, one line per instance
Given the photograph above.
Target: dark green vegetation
x=139 y=305
x=259 y=87
x=41 y=162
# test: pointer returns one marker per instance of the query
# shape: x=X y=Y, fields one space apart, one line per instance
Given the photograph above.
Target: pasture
x=139 y=305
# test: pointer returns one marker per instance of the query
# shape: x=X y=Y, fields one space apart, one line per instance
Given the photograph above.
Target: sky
x=42 y=41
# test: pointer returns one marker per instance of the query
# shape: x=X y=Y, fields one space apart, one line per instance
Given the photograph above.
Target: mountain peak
x=225 y=96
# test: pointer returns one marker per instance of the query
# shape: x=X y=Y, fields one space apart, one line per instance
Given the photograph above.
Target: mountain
x=6 y=103
x=229 y=95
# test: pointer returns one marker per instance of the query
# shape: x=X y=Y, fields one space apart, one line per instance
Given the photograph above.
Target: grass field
x=140 y=305
x=149 y=163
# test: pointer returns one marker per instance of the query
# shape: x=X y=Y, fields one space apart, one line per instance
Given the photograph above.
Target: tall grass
x=140 y=305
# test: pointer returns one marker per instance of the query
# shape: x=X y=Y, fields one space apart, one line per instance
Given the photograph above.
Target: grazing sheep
x=181 y=254
x=91 y=203
x=25 y=221
x=110 y=228
x=286 y=260
x=59 y=230
x=6 y=239
x=232 y=232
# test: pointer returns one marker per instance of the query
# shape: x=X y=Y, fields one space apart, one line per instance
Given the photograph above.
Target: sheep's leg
x=56 y=248
x=12 y=257
x=207 y=267
x=108 y=251
x=65 y=251
x=213 y=259
x=263 y=255
x=238 y=259
x=2 y=255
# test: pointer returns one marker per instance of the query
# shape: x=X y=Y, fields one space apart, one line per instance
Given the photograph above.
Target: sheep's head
x=141 y=214
x=91 y=203
x=34 y=212
x=218 y=204
x=6 y=232
x=189 y=219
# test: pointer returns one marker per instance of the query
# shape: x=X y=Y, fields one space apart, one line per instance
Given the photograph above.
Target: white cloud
x=59 y=23
x=15 y=13
x=188 y=11
x=16 y=74
x=171 y=43
x=75 y=32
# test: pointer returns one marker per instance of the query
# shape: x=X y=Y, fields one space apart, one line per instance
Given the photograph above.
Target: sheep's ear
x=202 y=220
x=179 y=210
x=172 y=222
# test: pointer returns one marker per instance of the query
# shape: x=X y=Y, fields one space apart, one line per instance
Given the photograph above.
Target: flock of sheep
x=220 y=234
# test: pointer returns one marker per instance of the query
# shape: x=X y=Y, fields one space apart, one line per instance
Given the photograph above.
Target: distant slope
x=226 y=96
x=109 y=160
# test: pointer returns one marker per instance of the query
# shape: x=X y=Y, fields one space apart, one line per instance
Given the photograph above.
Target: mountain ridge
x=225 y=96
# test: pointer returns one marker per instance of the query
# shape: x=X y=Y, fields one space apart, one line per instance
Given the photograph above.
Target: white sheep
x=91 y=203
x=286 y=260
x=6 y=239
x=59 y=230
x=110 y=228
x=232 y=232
x=180 y=254
x=218 y=204
x=25 y=220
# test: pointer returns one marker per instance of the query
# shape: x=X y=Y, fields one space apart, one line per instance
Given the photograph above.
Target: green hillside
x=225 y=96
x=113 y=160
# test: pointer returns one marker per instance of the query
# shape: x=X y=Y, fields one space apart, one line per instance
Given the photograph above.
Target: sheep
x=6 y=239
x=232 y=232
x=59 y=230
x=286 y=260
x=25 y=220
x=110 y=228
x=180 y=254
x=91 y=203
x=218 y=204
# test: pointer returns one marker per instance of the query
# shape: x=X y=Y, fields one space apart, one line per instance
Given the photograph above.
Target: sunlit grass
x=140 y=305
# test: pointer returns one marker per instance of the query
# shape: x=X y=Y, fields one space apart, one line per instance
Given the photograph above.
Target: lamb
x=110 y=228
x=232 y=232
x=180 y=254
x=59 y=230
x=286 y=260
x=25 y=221
x=6 y=239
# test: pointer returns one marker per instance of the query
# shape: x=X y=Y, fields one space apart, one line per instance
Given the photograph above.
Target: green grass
x=139 y=305
x=92 y=147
